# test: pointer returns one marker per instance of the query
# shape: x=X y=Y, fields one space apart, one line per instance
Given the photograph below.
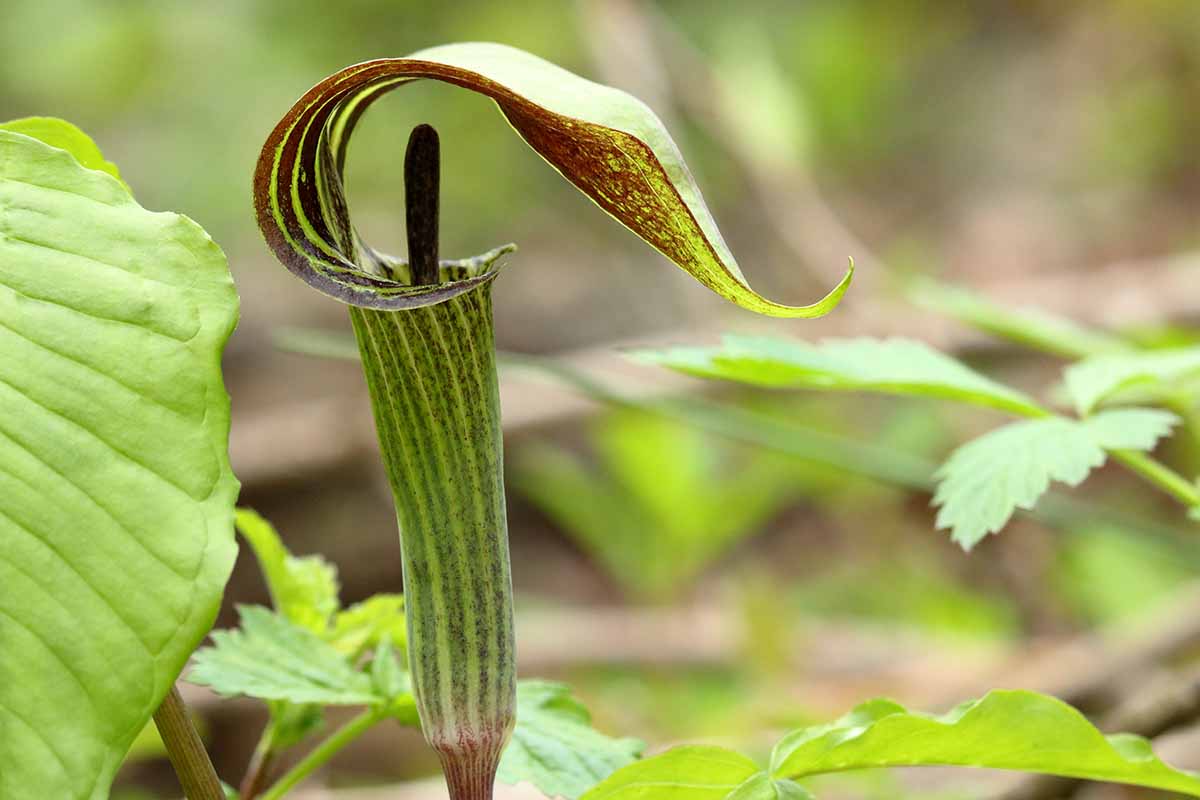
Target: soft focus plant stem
x=1160 y=475
x=323 y=752
x=261 y=763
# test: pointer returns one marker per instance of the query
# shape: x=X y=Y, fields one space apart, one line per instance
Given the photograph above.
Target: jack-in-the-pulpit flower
x=427 y=346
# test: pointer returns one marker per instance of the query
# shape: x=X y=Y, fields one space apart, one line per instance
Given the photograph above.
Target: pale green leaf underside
x=1014 y=730
x=271 y=658
x=116 y=496
x=554 y=746
x=986 y=480
x=893 y=366
x=1092 y=382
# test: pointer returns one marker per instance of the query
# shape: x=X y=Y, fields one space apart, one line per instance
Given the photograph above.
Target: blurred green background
x=1041 y=151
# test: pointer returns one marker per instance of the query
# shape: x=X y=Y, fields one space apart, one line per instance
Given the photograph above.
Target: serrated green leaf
x=1028 y=326
x=892 y=366
x=365 y=625
x=271 y=658
x=304 y=589
x=1092 y=382
x=683 y=773
x=62 y=134
x=986 y=480
x=1015 y=730
x=116 y=496
x=555 y=747
x=1130 y=428
x=605 y=142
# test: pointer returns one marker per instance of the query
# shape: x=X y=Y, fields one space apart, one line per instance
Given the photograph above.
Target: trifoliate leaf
x=116 y=494
x=304 y=590
x=365 y=625
x=271 y=658
x=892 y=366
x=685 y=773
x=986 y=480
x=554 y=746
x=1014 y=730
x=1092 y=382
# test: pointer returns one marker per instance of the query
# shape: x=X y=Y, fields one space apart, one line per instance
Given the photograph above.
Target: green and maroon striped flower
x=427 y=346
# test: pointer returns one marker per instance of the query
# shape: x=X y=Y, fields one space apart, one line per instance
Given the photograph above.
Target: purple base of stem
x=470 y=767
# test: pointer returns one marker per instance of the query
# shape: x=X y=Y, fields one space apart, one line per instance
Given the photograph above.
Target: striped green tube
x=431 y=373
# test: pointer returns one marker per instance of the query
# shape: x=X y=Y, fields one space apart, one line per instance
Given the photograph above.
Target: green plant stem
x=1160 y=475
x=323 y=752
x=261 y=764
x=186 y=751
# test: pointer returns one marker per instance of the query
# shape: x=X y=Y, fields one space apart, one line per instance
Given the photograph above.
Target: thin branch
x=323 y=752
x=186 y=751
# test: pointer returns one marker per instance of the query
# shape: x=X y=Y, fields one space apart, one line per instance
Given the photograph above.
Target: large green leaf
x=894 y=366
x=607 y=143
x=986 y=480
x=555 y=747
x=1158 y=373
x=116 y=496
x=1014 y=730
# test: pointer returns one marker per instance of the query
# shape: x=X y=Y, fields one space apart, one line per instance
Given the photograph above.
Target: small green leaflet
x=892 y=366
x=1095 y=380
x=554 y=746
x=986 y=480
x=271 y=658
x=304 y=590
x=365 y=625
x=1014 y=730
x=1028 y=326
x=608 y=144
x=116 y=495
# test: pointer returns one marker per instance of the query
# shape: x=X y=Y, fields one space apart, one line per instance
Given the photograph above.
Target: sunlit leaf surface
x=1014 y=730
